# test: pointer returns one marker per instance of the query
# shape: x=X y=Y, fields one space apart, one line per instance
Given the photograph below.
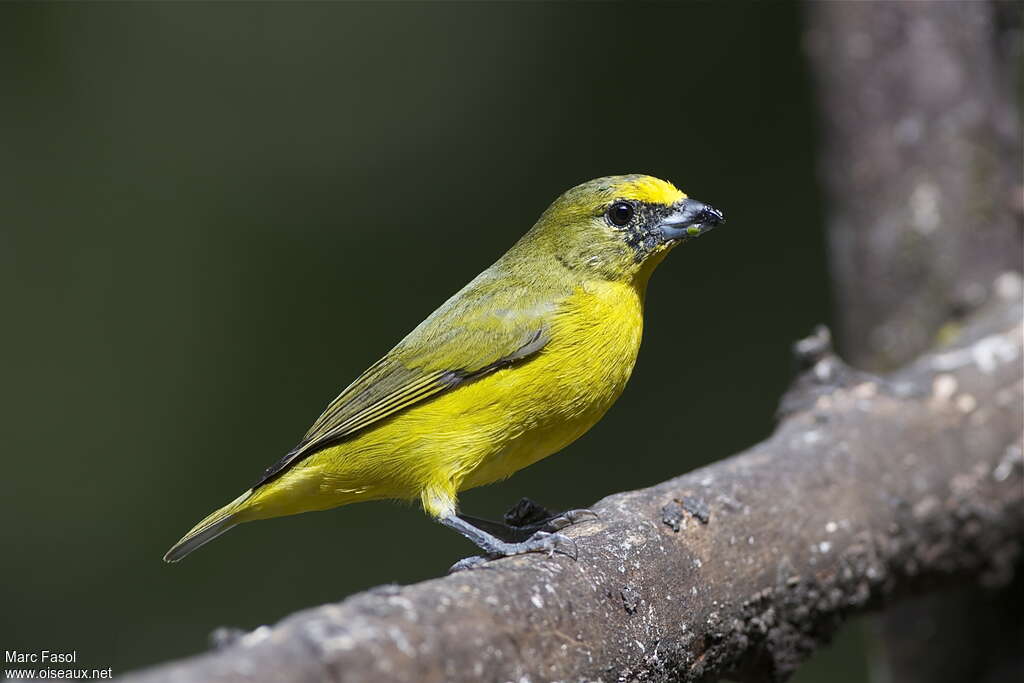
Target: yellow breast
x=543 y=405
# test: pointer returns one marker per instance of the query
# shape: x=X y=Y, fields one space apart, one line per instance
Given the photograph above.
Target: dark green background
x=215 y=216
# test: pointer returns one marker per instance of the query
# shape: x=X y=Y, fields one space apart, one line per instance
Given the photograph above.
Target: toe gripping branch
x=527 y=528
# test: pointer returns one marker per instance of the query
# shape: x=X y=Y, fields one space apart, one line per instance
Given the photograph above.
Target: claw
x=468 y=563
x=571 y=517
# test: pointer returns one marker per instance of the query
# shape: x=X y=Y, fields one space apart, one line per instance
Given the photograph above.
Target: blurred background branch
x=921 y=163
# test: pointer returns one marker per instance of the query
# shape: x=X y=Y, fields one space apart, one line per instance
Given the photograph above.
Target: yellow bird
x=516 y=366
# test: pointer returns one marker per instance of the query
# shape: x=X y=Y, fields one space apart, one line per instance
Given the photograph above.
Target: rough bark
x=921 y=163
x=871 y=490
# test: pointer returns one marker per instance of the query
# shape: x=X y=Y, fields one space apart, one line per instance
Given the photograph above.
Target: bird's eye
x=620 y=213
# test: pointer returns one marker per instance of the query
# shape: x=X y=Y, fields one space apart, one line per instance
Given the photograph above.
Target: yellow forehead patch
x=649 y=189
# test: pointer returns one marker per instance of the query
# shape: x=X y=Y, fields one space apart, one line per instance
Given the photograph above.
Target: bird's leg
x=500 y=530
x=494 y=547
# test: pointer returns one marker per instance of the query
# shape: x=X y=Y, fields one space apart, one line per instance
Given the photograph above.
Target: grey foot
x=494 y=547
x=540 y=542
x=468 y=563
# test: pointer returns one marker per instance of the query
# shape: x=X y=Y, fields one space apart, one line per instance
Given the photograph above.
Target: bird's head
x=620 y=227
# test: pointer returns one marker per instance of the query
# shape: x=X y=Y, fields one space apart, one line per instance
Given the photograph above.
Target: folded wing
x=480 y=330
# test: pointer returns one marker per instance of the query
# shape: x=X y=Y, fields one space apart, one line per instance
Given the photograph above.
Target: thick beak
x=690 y=219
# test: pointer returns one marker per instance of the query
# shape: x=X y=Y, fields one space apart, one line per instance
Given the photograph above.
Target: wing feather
x=468 y=337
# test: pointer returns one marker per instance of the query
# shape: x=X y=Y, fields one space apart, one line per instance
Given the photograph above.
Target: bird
x=513 y=368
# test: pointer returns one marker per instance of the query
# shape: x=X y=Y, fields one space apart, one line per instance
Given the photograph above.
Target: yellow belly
x=485 y=430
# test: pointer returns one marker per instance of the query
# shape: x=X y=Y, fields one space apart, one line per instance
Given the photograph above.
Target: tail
x=210 y=528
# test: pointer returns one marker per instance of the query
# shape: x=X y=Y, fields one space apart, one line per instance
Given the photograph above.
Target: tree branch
x=870 y=489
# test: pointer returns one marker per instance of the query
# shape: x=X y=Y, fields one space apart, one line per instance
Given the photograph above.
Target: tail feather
x=210 y=528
